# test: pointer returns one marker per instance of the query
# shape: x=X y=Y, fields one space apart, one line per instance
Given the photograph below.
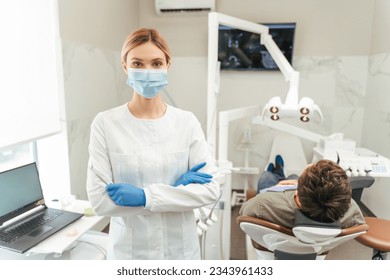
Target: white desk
x=61 y=241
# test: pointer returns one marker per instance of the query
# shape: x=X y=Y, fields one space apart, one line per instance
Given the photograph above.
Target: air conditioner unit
x=174 y=7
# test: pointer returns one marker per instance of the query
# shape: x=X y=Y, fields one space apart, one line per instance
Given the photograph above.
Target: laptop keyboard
x=14 y=232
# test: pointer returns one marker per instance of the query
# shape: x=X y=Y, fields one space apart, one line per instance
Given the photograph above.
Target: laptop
x=25 y=220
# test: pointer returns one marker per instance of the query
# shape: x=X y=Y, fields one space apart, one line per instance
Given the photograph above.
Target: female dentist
x=144 y=158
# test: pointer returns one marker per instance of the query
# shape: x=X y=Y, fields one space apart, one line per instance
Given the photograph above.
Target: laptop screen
x=20 y=189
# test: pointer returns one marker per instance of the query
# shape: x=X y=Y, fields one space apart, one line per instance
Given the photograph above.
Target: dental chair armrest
x=354 y=229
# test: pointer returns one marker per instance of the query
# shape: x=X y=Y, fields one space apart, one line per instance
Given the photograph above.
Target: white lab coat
x=150 y=154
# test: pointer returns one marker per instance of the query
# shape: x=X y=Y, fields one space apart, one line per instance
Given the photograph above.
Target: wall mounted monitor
x=241 y=50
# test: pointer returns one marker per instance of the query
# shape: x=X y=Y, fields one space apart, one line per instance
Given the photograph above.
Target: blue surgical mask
x=147 y=82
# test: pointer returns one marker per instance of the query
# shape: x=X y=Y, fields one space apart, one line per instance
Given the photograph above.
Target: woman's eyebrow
x=154 y=59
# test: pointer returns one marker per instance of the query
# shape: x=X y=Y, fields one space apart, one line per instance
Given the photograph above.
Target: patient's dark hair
x=324 y=191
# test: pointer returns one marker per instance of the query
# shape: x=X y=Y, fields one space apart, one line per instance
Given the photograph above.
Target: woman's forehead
x=146 y=51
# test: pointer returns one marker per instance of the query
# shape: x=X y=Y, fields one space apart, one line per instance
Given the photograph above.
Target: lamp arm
x=277 y=55
x=265 y=39
x=239 y=23
x=292 y=76
x=285 y=67
x=216 y=19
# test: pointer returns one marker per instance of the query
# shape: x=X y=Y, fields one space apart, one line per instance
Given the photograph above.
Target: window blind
x=31 y=80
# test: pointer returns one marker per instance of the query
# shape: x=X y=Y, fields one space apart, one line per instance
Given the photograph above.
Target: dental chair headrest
x=302 y=220
x=310 y=231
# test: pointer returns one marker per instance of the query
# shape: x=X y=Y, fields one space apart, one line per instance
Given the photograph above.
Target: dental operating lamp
x=275 y=109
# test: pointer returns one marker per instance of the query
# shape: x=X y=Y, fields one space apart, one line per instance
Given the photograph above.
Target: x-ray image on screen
x=241 y=50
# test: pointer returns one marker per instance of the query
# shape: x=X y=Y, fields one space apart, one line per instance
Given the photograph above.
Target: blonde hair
x=142 y=36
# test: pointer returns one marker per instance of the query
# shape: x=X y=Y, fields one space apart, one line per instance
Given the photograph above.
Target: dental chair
x=308 y=240
x=266 y=240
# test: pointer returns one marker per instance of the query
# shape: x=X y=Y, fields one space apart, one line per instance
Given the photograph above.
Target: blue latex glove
x=192 y=176
x=126 y=195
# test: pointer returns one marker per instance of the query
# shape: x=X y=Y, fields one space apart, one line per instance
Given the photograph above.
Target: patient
x=323 y=194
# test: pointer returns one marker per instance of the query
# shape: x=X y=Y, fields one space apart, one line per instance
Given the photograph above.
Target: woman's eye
x=136 y=64
x=157 y=64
